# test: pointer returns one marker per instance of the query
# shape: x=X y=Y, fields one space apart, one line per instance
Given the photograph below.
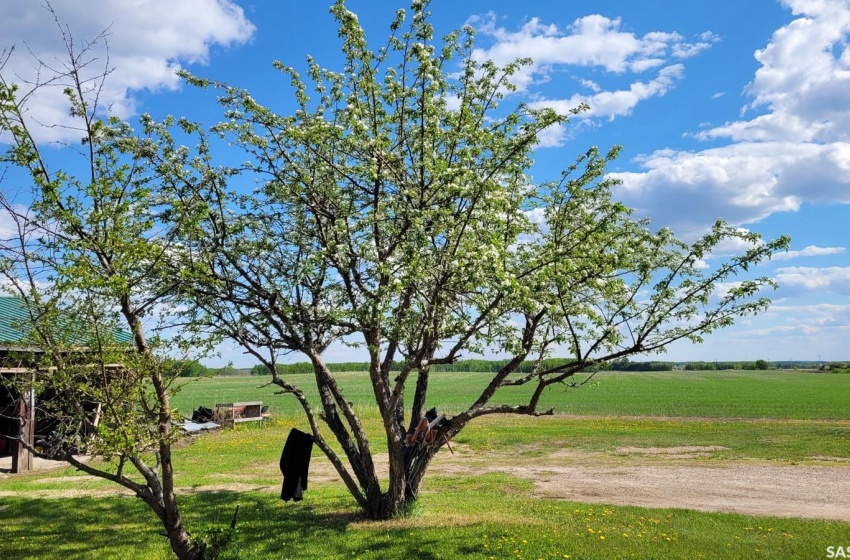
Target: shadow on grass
x=123 y=527
x=329 y=527
x=77 y=528
x=464 y=517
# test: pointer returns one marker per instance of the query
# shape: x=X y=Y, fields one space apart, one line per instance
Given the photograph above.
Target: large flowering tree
x=394 y=209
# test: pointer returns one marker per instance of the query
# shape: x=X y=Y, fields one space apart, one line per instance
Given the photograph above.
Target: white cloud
x=452 y=102
x=611 y=104
x=797 y=151
x=7 y=225
x=797 y=332
x=148 y=41
x=553 y=136
x=795 y=323
x=536 y=215
x=742 y=182
x=733 y=246
x=591 y=85
x=722 y=289
x=820 y=315
x=801 y=280
x=596 y=42
x=809 y=251
x=592 y=40
x=803 y=79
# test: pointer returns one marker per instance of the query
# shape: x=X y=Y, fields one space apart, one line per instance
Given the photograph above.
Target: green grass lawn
x=780 y=417
x=481 y=517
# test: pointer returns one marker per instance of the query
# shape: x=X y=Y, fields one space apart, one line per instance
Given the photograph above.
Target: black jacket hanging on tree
x=294 y=463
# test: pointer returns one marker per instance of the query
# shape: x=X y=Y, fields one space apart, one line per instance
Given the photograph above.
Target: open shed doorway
x=17 y=420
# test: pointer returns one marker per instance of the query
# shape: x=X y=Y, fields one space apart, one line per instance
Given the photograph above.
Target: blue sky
x=725 y=109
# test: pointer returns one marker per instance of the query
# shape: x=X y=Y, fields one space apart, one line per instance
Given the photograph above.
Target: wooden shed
x=18 y=401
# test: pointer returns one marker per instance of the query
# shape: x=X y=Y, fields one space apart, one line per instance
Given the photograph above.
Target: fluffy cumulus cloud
x=803 y=79
x=791 y=146
x=616 y=103
x=147 y=43
x=592 y=40
x=742 y=182
x=596 y=42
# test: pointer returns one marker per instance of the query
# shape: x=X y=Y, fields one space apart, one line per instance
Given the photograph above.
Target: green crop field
x=722 y=394
x=762 y=418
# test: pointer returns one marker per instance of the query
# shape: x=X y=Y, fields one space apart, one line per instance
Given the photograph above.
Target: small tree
x=85 y=262
x=394 y=211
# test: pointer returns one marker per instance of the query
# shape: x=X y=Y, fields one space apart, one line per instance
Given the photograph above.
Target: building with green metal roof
x=18 y=354
x=13 y=319
x=16 y=324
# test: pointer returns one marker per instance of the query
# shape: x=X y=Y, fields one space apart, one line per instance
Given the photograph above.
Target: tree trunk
x=392 y=503
x=182 y=545
x=405 y=478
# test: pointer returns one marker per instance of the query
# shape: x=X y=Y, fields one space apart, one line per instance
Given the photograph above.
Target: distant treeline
x=760 y=365
x=194 y=369
x=626 y=365
x=525 y=367
x=459 y=367
x=709 y=366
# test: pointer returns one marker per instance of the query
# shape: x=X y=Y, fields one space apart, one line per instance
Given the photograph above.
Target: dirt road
x=678 y=477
